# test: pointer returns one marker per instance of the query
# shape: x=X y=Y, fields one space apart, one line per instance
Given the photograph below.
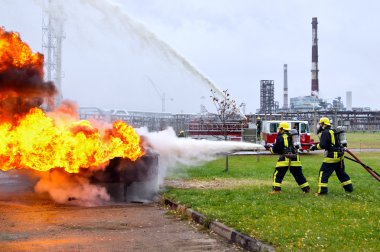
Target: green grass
x=360 y=140
x=291 y=220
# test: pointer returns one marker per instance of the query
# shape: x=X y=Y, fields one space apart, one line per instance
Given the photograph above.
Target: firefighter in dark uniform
x=181 y=133
x=333 y=160
x=288 y=159
x=258 y=128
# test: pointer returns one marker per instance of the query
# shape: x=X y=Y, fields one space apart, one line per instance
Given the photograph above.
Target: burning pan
x=128 y=181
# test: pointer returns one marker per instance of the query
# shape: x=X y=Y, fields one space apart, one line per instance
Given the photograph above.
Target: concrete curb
x=219 y=228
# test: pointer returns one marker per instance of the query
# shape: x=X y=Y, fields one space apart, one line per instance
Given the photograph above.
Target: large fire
x=30 y=138
x=15 y=53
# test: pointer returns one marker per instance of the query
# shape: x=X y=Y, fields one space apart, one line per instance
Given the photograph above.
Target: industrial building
x=312 y=107
x=308 y=107
x=267 y=103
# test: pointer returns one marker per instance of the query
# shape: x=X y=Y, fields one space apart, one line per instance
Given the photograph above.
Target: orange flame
x=37 y=142
x=15 y=53
x=31 y=139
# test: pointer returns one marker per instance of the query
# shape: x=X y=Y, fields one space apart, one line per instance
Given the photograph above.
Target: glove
x=313 y=148
x=267 y=146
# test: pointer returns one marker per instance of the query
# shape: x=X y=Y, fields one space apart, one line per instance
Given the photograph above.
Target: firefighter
x=181 y=133
x=258 y=128
x=288 y=159
x=333 y=160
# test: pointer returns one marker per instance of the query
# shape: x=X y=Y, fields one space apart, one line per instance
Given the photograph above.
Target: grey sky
x=235 y=43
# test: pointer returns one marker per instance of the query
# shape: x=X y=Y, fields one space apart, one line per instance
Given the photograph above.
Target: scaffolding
x=267 y=104
x=52 y=37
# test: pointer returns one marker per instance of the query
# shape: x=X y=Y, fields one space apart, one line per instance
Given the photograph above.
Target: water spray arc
x=111 y=10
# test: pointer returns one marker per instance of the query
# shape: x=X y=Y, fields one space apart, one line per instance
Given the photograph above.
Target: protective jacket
x=287 y=153
x=330 y=143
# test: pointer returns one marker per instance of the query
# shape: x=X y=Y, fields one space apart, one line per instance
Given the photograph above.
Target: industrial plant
x=309 y=107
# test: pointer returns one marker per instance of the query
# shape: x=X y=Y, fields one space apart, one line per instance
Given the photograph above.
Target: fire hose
x=366 y=167
x=355 y=159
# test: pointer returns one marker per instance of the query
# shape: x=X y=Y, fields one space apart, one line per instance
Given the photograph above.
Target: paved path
x=32 y=223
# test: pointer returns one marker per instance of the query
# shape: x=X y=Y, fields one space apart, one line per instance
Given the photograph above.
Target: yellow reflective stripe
x=296 y=163
x=320 y=184
x=332 y=136
x=304 y=185
x=271 y=151
x=274 y=176
x=335 y=154
x=346 y=182
x=282 y=163
x=319 y=147
x=286 y=143
x=286 y=163
x=331 y=160
x=276 y=184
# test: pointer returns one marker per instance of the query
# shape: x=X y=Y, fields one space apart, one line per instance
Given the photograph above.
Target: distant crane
x=160 y=94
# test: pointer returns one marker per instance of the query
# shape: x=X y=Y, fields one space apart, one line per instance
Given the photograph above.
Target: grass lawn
x=290 y=220
x=359 y=140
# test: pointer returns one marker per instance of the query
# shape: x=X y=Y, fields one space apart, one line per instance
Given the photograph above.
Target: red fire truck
x=269 y=132
x=212 y=130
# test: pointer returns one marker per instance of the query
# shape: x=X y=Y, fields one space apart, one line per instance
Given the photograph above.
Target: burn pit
x=63 y=155
x=130 y=181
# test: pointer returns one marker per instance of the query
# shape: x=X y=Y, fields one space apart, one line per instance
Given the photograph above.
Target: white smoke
x=66 y=188
x=174 y=152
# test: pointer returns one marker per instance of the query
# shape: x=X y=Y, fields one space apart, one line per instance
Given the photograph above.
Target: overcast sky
x=113 y=56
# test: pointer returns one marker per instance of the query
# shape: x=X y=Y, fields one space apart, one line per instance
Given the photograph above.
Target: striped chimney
x=285 y=87
x=314 y=59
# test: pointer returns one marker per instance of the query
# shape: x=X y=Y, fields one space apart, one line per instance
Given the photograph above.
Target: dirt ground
x=29 y=222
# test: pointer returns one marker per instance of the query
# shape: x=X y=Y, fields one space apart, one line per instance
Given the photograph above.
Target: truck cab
x=269 y=132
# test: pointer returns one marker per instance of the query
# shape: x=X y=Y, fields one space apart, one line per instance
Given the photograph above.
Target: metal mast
x=52 y=37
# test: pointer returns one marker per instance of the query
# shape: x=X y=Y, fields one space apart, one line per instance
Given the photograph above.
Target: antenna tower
x=52 y=37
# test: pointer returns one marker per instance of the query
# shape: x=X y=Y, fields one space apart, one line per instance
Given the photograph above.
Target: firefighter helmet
x=324 y=121
x=258 y=118
x=284 y=126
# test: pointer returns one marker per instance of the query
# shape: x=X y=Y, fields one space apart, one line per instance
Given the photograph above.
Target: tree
x=226 y=109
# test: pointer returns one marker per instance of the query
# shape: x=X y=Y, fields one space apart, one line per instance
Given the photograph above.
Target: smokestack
x=314 y=59
x=285 y=87
x=349 y=100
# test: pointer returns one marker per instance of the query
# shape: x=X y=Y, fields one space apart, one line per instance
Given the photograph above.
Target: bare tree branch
x=226 y=109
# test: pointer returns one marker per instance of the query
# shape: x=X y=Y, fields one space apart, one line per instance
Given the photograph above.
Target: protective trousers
x=296 y=171
x=325 y=173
